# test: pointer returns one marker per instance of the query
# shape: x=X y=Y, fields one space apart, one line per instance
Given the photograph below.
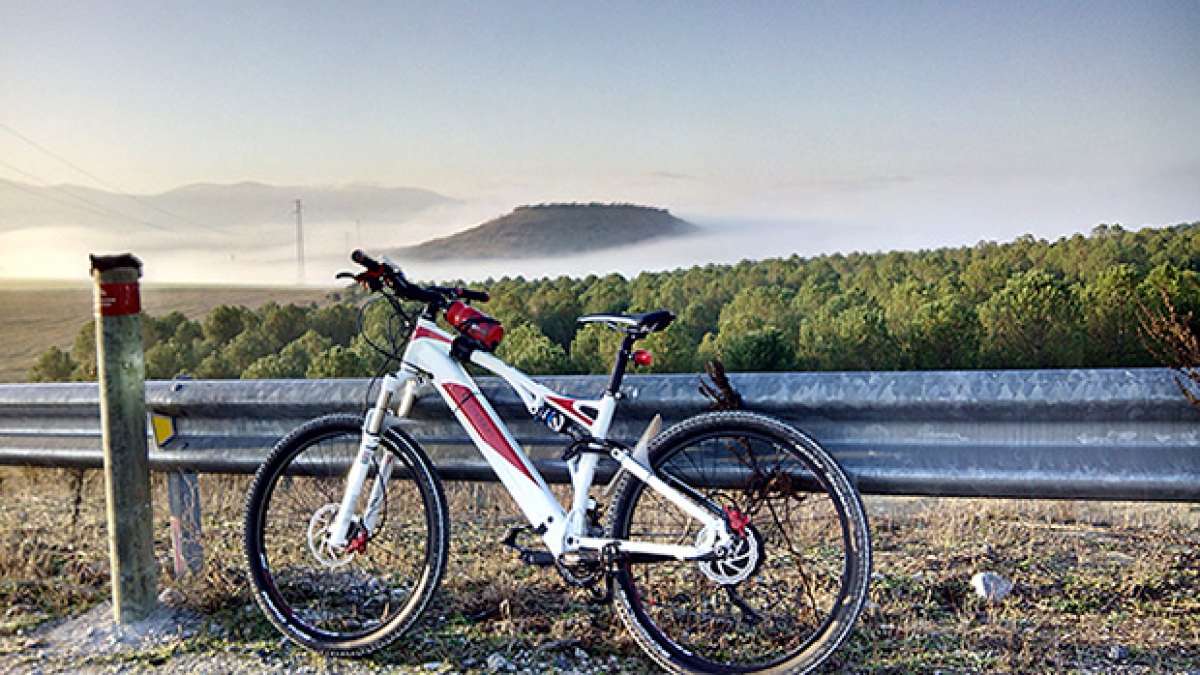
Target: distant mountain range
x=228 y=206
x=554 y=229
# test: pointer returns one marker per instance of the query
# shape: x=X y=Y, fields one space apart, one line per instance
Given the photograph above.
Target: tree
x=338 y=322
x=673 y=350
x=169 y=358
x=292 y=362
x=216 y=366
x=83 y=353
x=224 y=323
x=245 y=349
x=1032 y=322
x=932 y=327
x=763 y=349
x=54 y=365
x=527 y=349
x=554 y=307
x=594 y=348
x=607 y=295
x=1110 y=318
x=337 y=361
x=753 y=330
x=849 y=333
x=281 y=325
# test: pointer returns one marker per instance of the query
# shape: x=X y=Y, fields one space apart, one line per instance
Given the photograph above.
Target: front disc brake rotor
x=318 y=539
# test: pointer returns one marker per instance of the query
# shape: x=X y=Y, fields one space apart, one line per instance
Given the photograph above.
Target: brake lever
x=367 y=280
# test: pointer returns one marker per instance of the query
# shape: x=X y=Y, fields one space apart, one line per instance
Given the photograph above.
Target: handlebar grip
x=468 y=294
x=363 y=259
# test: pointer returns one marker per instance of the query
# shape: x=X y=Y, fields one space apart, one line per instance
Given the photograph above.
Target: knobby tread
x=404 y=446
x=843 y=487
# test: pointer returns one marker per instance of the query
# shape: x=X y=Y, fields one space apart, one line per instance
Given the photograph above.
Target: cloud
x=671 y=175
x=846 y=184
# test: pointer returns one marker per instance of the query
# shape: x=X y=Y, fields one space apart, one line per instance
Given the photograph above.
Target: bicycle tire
x=667 y=650
x=421 y=472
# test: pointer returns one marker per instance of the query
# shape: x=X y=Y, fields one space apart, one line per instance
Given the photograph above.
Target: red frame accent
x=464 y=399
x=568 y=405
x=423 y=332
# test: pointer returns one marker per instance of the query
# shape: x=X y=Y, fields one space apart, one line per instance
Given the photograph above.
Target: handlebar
x=435 y=295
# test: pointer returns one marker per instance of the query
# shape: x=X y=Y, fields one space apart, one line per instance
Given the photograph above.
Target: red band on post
x=119 y=299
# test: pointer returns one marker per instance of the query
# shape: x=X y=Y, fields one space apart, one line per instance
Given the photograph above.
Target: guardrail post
x=183 y=498
x=122 y=373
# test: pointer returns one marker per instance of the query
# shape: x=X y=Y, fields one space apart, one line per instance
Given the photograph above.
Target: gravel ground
x=184 y=641
x=1097 y=588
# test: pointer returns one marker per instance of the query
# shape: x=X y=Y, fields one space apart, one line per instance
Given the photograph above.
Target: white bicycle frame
x=427 y=359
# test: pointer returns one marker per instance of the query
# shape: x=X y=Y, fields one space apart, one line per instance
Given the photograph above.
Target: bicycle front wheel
x=353 y=600
x=788 y=593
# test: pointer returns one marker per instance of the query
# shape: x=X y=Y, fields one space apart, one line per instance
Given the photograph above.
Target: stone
x=496 y=663
x=991 y=586
x=1118 y=652
x=171 y=597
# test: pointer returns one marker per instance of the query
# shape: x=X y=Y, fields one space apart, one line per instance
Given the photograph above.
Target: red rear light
x=643 y=358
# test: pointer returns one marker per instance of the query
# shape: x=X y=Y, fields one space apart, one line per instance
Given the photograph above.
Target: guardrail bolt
x=122 y=372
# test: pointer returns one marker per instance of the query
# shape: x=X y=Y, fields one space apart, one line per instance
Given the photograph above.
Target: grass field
x=1098 y=588
x=38 y=315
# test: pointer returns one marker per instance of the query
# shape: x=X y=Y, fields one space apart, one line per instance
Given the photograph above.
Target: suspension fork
x=368 y=445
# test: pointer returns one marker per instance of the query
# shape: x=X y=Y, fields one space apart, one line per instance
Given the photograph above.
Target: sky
x=911 y=123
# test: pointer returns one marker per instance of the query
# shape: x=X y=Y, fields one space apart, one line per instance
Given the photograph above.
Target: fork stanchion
x=122 y=372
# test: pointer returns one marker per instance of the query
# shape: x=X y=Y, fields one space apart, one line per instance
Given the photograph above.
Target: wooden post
x=122 y=373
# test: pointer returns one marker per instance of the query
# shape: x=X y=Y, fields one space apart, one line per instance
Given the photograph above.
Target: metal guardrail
x=1073 y=434
x=1070 y=434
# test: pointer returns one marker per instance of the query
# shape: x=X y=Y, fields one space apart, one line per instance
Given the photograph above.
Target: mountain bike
x=734 y=542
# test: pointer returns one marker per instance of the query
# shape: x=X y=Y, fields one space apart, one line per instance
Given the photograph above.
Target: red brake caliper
x=737 y=521
x=358 y=544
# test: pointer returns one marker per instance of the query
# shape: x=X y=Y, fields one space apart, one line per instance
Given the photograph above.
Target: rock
x=496 y=663
x=991 y=586
x=580 y=654
x=1118 y=652
x=171 y=597
x=432 y=665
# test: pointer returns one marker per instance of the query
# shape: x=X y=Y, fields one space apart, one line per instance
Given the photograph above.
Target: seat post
x=618 y=371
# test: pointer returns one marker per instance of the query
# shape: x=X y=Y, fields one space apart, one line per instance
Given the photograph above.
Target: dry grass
x=1099 y=587
x=41 y=315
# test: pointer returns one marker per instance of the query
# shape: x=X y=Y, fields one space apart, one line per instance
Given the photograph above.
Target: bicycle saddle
x=646 y=322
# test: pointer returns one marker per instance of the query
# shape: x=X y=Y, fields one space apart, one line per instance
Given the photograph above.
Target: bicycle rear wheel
x=788 y=593
x=354 y=601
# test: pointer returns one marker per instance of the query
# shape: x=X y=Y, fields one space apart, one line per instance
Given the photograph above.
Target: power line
x=92 y=207
x=103 y=182
x=42 y=195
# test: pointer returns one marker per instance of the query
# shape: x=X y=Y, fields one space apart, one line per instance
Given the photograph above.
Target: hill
x=39 y=314
x=227 y=206
x=554 y=229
